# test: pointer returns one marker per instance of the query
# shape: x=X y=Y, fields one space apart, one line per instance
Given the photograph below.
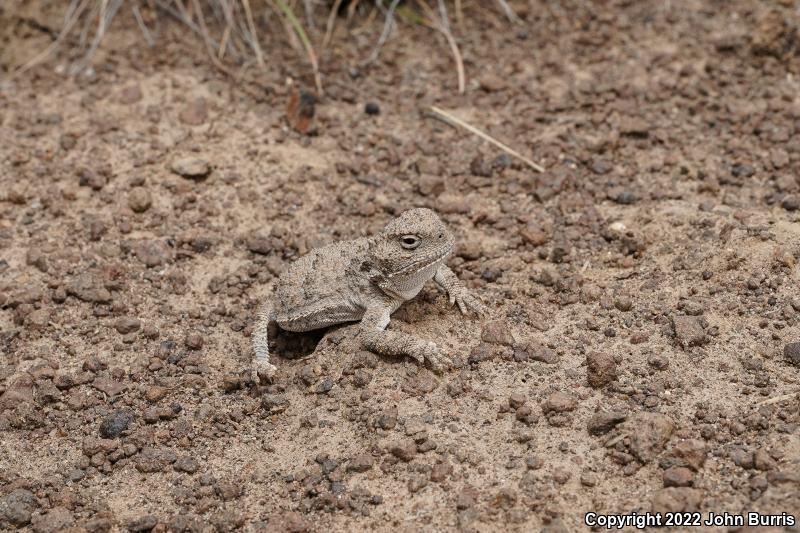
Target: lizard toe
x=263 y=371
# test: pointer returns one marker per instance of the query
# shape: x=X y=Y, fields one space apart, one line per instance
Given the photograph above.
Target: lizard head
x=411 y=247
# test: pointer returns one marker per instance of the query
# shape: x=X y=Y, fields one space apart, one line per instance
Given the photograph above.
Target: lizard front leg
x=458 y=294
x=396 y=343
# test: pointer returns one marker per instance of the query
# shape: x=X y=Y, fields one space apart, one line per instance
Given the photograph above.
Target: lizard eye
x=409 y=242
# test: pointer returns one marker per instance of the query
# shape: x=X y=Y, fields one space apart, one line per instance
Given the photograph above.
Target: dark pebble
x=791 y=203
x=792 y=353
x=145 y=523
x=186 y=464
x=115 y=423
x=625 y=198
x=372 y=108
x=325 y=386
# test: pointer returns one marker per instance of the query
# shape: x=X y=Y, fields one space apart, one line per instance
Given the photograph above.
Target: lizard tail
x=260 y=340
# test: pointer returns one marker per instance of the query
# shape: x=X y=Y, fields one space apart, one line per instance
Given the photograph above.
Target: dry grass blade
x=454 y=121
x=444 y=27
x=615 y=439
x=301 y=33
x=388 y=25
x=47 y=52
x=331 y=23
x=513 y=17
x=104 y=18
x=779 y=399
x=252 y=28
x=209 y=42
x=142 y=26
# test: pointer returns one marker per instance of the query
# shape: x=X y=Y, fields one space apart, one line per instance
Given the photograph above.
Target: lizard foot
x=466 y=302
x=262 y=370
x=430 y=351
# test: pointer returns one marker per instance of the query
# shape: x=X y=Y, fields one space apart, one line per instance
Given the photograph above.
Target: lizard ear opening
x=409 y=242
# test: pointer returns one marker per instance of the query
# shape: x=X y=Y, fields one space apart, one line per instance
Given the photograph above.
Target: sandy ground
x=643 y=291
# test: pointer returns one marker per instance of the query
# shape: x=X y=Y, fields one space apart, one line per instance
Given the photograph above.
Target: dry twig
x=454 y=121
x=779 y=399
x=331 y=23
x=298 y=28
x=47 y=52
x=254 y=37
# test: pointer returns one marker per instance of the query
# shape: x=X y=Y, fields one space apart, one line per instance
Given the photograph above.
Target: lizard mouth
x=425 y=261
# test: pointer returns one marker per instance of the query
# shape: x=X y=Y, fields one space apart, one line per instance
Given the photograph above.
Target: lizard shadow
x=291 y=345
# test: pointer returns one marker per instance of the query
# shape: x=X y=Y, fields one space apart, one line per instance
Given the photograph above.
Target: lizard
x=365 y=280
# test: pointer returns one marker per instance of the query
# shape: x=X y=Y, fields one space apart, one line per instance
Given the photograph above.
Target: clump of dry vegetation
x=233 y=31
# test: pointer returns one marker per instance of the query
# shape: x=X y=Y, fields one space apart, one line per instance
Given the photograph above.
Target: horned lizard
x=365 y=280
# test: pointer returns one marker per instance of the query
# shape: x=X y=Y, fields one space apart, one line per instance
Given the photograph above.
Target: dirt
x=643 y=290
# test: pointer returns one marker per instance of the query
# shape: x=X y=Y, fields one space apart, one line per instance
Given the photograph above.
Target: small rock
x=89 y=288
x=634 y=127
x=153 y=460
x=387 y=419
x=360 y=463
x=142 y=524
x=742 y=458
x=534 y=352
x=417 y=483
x=191 y=167
x=186 y=464
x=139 y=200
x=227 y=490
x=152 y=253
x=602 y=422
x=108 y=386
x=516 y=400
x=492 y=83
x=690 y=453
x=623 y=302
x=194 y=113
x=601 y=369
x=35 y=257
x=497 y=332
x=534 y=235
x=688 y=331
x=324 y=386
x=155 y=393
x=658 y=361
x=677 y=500
x=559 y=402
x=371 y=108
x=792 y=353
x=274 y=403
x=404 y=450
x=56 y=519
x=17 y=507
x=649 y=433
x=259 y=244
x=114 y=424
x=625 y=198
x=791 y=203
x=89 y=178
x=127 y=324
x=130 y=95
x=231 y=383
x=678 y=476
x=762 y=461
x=466 y=498
x=38 y=320
x=526 y=415
x=194 y=340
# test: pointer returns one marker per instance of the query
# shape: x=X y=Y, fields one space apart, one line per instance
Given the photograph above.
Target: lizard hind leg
x=261 y=367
